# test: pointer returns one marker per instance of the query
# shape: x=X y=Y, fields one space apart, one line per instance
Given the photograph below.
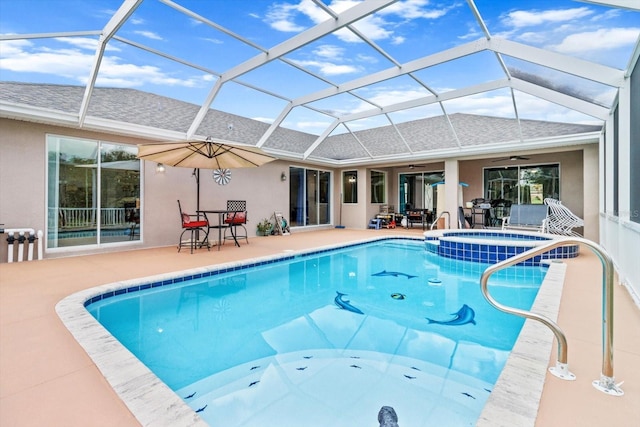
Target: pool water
x=280 y=345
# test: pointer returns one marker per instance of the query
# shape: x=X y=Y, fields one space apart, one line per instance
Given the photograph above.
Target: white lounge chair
x=561 y=220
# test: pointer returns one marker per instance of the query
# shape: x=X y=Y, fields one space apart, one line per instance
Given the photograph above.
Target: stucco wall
x=23 y=186
x=23 y=198
x=575 y=190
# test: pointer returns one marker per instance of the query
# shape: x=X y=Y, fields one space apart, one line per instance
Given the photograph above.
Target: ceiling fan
x=512 y=158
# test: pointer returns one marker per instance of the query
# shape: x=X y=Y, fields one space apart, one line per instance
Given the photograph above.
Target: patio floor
x=46 y=378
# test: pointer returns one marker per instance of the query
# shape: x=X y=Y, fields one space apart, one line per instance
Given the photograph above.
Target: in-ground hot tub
x=494 y=246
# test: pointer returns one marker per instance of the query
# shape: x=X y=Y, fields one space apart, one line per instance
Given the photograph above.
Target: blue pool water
x=270 y=346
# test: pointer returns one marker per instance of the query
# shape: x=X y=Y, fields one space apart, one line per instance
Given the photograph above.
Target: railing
x=606 y=383
x=433 y=224
x=86 y=217
x=22 y=237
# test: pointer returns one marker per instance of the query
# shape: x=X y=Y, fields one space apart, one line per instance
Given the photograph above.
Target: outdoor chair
x=194 y=225
x=527 y=217
x=499 y=209
x=464 y=221
x=561 y=220
x=236 y=218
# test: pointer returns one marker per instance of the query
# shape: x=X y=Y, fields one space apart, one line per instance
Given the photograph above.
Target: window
x=378 y=187
x=93 y=192
x=350 y=186
x=309 y=197
x=524 y=185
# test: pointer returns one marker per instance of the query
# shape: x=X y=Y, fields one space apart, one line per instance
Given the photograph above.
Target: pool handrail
x=606 y=383
x=433 y=224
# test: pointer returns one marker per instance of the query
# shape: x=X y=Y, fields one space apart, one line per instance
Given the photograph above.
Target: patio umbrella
x=206 y=154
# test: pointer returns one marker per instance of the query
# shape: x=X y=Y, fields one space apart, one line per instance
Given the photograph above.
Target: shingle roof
x=146 y=109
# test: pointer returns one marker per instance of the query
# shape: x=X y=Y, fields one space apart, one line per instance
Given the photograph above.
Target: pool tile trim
x=516 y=395
x=458 y=245
x=153 y=403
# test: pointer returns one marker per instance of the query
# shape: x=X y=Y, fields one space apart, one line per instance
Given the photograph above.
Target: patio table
x=221 y=224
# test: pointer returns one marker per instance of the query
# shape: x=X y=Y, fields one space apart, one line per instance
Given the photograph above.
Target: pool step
x=329 y=385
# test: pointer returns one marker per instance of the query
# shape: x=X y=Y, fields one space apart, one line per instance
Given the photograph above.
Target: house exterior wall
x=23 y=189
x=578 y=189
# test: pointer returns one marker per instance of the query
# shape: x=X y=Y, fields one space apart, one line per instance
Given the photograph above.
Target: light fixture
x=283 y=176
x=352 y=179
x=159 y=168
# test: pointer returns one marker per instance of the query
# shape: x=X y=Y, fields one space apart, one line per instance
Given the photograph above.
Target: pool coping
x=153 y=403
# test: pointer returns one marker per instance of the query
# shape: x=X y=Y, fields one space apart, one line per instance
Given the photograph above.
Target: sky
x=403 y=32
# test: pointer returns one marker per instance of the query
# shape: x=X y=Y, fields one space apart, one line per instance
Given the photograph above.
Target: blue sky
x=406 y=30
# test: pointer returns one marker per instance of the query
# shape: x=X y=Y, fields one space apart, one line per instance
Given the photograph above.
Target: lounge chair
x=561 y=220
x=527 y=217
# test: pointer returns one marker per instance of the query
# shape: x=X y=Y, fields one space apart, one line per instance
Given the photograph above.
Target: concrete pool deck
x=46 y=378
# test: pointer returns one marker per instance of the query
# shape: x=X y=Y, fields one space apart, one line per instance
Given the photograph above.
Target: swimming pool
x=361 y=362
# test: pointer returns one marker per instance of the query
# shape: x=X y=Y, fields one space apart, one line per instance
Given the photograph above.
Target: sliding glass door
x=524 y=185
x=93 y=192
x=417 y=192
x=309 y=197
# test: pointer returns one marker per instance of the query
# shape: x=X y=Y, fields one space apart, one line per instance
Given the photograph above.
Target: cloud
x=148 y=34
x=415 y=9
x=533 y=37
x=214 y=41
x=473 y=32
x=329 y=51
x=267 y=120
x=17 y=56
x=328 y=68
x=280 y=18
x=601 y=40
x=389 y=96
x=86 y=43
x=113 y=72
x=283 y=17
x=316 y=125
x=533 y=108
x=75 y=65
x=523 y=18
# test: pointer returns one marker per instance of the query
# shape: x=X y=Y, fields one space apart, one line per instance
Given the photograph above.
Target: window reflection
x=309 y=196
x=93 y=192
x=525 y=185
x=350 y=186
x=378 y=187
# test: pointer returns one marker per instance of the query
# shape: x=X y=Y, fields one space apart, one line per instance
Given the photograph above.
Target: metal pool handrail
x=433 y=224
x=606 y=383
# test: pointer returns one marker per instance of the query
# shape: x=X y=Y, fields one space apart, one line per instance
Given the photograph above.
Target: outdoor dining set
x=199 y=225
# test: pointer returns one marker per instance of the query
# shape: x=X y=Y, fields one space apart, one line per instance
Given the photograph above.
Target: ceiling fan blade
x=512 y=158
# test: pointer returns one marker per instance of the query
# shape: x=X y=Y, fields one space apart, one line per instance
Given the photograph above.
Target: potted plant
x=264 y=227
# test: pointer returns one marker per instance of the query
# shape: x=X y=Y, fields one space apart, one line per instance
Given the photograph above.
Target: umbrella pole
x=196 y=173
